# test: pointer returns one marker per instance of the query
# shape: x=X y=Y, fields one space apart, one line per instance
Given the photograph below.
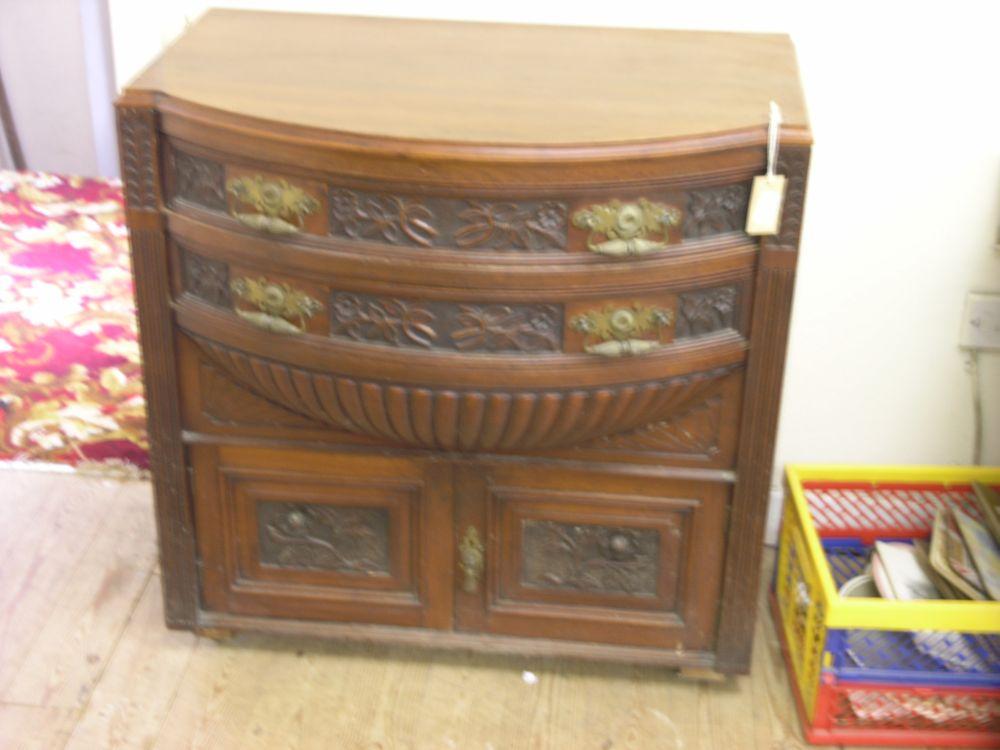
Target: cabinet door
x=614 y=557
x=316 y=535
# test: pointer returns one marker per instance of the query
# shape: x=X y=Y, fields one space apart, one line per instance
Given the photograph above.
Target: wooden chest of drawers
x=452 y=332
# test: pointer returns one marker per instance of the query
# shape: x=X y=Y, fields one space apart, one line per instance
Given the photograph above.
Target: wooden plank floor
x=85 y=663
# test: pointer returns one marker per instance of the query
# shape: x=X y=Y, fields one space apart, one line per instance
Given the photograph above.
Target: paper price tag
x=766 y=198
x=768 y=192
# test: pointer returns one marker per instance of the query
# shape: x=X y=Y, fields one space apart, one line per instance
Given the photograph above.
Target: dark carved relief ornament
x=693 y=432
x=319 y=537
x=521 y=226
x=793 y=162
x=716 y=210
x=137 y=127
x=446 y=222
x=392 y=219
x=602 y=559
x=207 y=279
x=198 y=180
x=706 y=311
x=460 y=326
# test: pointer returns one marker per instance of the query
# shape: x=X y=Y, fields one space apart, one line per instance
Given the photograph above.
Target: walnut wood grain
x=451 y=275
x=459 y=419
x=587 y=85
x=363 y=548
x=765 y=371
x=573 y=581
x=449 y=370
x=337 y=467
x=175 y=527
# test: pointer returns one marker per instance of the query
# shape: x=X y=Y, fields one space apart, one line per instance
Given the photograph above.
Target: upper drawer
x=612 y=222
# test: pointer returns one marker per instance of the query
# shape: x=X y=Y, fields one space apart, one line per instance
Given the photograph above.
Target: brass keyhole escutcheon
x=471 y=560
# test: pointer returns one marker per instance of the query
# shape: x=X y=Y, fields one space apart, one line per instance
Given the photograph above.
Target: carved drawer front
x=608 y=326
x=612 y=224
x=592 y=556
x=328 y=536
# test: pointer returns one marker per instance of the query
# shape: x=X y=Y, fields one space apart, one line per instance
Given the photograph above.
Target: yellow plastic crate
x=832 y=514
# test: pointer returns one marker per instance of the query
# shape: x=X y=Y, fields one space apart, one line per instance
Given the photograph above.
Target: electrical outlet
x=981 y=322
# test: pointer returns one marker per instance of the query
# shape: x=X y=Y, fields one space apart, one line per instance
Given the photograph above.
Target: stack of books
x=961 y=559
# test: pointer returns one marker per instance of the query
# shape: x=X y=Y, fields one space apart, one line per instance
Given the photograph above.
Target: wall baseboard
x=772 y=526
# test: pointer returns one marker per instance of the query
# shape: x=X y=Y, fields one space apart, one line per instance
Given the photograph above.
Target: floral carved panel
x=601 y=559
x=464 y=327
x=706 y=311
x=320 y=537
x=447 y=222
x=206 y=279
x=198 y=180
x=716 y=210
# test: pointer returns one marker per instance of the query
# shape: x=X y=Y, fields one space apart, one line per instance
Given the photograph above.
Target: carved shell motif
x=451 y=419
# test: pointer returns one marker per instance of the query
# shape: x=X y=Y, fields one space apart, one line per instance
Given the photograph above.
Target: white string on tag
x=773 y=130
x=768 y=191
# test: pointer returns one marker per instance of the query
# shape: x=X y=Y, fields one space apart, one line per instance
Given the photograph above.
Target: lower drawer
x=329 y=536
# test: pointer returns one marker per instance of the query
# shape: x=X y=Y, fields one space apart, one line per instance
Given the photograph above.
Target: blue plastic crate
x=901 y=657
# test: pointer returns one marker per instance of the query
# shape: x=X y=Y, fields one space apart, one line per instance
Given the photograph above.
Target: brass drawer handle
x=625 y=226
x=615 y=329
x=471 y=560
x=280 y=207
x=624 y=348
x=280 y=307
x=269 y=224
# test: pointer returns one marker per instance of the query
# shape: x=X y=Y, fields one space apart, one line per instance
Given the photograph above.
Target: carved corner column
x=774 y=285
x=138 y=141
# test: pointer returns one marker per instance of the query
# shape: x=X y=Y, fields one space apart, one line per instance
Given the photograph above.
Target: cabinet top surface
x=477 y=82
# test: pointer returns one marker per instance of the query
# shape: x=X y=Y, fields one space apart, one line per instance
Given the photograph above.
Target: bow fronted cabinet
x=453 y=335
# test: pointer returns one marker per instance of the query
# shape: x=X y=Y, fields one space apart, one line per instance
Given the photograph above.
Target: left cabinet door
x=323 y=535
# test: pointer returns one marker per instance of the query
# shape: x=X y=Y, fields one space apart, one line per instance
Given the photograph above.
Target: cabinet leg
x=216 y=634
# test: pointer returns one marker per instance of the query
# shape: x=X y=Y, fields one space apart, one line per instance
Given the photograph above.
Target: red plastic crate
x=849 y=713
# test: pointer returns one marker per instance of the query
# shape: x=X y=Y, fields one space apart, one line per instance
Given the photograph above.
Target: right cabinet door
x=601 y=556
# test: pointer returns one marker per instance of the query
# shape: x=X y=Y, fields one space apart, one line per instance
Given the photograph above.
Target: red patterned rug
x=70 y=375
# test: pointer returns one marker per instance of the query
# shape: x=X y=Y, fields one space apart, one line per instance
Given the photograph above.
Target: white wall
x=902 y=213
x=56 y=61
